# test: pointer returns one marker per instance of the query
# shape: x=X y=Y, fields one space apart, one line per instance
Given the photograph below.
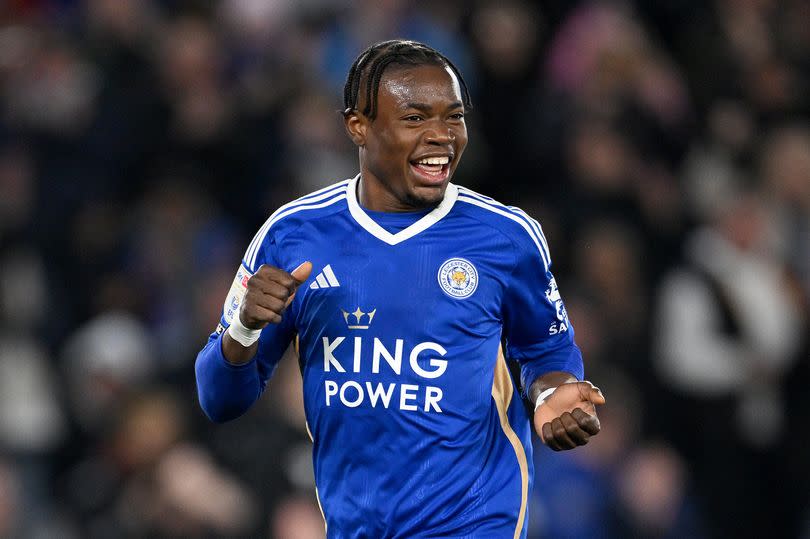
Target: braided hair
x=371 y=63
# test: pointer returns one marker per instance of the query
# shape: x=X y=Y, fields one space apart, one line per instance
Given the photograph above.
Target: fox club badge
x=458 y=278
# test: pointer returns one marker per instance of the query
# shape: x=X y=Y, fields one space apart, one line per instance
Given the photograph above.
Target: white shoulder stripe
x=494 y=209
x=335 y=186
x=534 y=230
x=288 y=209
x=532 y=222
x=317 y=195
x=278 y=216
x=536 y=226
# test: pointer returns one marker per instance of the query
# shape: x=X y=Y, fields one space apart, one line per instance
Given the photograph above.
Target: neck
x=375 y=195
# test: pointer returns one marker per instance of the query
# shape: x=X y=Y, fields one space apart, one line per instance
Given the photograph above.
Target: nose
x=440 y=135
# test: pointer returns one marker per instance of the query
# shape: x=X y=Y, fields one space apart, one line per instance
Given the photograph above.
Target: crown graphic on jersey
x=325 y=279
x=354 y=320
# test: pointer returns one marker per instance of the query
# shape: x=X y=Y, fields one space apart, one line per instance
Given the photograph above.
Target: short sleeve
x=537 y=331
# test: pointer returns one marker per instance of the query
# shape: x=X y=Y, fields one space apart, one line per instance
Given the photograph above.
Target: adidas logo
x=325 y=279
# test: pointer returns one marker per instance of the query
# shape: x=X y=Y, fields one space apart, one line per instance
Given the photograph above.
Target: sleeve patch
x=236 y=294
x=554 y=298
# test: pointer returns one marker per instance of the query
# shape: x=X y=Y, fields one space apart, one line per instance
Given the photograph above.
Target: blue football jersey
x=402 y=330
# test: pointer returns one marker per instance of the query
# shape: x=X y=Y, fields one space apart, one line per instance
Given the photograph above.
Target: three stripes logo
x=325 y=279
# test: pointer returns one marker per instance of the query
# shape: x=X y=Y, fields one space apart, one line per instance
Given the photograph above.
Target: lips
x=432 y=170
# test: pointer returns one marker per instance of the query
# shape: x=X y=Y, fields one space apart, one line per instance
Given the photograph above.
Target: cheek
x=461 y=140
x=394 y=146
x=384 y=154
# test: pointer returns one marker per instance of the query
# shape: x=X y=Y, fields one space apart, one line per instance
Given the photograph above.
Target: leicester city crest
x=458 y=278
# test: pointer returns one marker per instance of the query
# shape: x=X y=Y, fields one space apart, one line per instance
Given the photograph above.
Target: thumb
x=591 y=393
x=301 y=273
x=595 y=396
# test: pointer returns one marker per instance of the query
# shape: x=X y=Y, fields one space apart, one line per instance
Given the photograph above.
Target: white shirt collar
x=362 y=218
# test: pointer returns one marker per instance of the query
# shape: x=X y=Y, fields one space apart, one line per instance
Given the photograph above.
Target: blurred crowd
x=665 y=147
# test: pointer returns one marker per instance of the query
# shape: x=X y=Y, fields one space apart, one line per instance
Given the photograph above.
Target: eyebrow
x=427 y=108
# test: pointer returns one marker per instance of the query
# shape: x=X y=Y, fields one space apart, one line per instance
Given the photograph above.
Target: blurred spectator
x=297 y=518
x=507 y=38
x=316 y=137
x=104 y=362
x=608 y=264
x=786 y=171
x=728 y=333
x=31 y=418
x=54 y=91
x=655 y=497
x=148 y=482
x=192 y=67
x=716 y=164
x=191 y=496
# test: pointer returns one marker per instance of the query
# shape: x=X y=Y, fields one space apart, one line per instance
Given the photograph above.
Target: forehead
x=434 y=85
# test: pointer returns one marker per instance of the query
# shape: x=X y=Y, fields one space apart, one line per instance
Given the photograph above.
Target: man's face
x=409 y=152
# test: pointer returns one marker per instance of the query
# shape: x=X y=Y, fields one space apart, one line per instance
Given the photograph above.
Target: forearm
x=548 y=380
x=225 y=390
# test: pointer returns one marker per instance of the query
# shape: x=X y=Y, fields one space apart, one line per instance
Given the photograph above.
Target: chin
x=424 y=196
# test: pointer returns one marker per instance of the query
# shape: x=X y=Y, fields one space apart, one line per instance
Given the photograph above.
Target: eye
x=457 y=116
x=413 y=118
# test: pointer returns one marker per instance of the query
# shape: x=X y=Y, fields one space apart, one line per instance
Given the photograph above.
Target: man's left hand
x=567 y=418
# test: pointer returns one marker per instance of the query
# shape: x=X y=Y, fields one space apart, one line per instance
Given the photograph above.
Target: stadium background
x=664 y=146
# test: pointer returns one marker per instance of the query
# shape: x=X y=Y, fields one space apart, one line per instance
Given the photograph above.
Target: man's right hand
x=269 y=292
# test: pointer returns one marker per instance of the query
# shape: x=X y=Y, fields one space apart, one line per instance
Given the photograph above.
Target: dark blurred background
x=665 y=147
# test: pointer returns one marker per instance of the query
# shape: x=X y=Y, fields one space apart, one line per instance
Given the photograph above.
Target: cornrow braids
x=370 y=65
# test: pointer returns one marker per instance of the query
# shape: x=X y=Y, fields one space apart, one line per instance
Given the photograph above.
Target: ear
x=356 y=125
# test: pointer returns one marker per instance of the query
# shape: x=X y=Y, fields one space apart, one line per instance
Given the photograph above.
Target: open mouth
x=432 y=169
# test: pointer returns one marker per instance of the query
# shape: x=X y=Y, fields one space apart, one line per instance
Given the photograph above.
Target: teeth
x=434 y=161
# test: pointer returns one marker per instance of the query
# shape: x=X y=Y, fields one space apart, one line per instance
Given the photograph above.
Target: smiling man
x=404 y=293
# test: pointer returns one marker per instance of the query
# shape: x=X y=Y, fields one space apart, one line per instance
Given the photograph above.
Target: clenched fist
x=567 y=419
x=268 y=294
